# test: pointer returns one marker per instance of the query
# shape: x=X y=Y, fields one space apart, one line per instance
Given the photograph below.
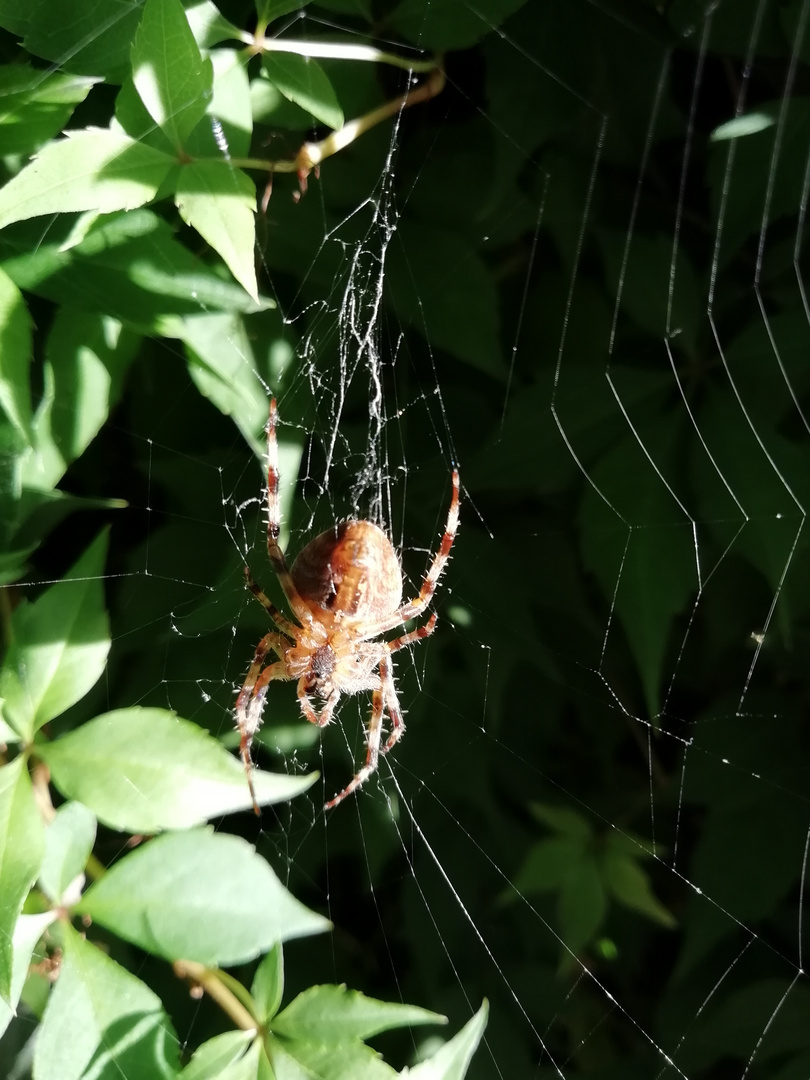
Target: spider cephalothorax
x=345 y=588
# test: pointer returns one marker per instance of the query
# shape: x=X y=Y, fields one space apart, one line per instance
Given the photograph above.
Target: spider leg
x=373 y=736
x=389 y=689
x=413 y=635
x=250 y=703
x=274 y=552
x=281 y=621
x=419 y=603
x=385 y=697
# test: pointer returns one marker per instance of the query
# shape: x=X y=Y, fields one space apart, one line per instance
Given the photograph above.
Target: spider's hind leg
x=373 y=736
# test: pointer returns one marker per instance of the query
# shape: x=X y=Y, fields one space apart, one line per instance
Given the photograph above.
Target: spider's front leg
x=250 y=703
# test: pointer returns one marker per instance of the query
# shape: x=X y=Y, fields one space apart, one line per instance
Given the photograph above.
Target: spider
x=344 y=589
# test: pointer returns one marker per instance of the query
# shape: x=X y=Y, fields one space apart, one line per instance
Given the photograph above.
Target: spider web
x=597 y=818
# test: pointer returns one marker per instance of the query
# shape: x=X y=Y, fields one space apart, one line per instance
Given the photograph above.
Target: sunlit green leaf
x=15 y=357
x=740 y=126
x=143 y=770
x=451 y=1061
x=87 y=357
x=220 y=202
x=27 y=932
x=303 y=81
x=333 y=1014
x=99 y=1012
x=172 y=77
x=267 y=987
x=153 y=899
x=22 y=848
x=217 y=1057
x=35 y=105
x=93 y=169
x=59 y=645
x=69 y=840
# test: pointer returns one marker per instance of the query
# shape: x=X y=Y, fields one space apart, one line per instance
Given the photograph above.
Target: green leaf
x=303 y=1060
x=267 y=988
x=268 y=10
x=92 y=39
x=333 y=1014
x=93 y=169
x=219 y=201
x=41 y=511
x=59 y=646
x=581 y=906
x=15 y=357
x=227 y=130
x=22 y=848
x=630 y=885
x=153 y=898
x=450 y=301
x=27 y=932
x=749 y=124
x=304 y=82
x=562 y=820
x=659 y=290
x=171 y=76
x=208 y=25
x=130 y=267
x=451 y=24
x=143 y=770
x=102 y=1022
x=131 y=114
x=453 y=1059
x=215 y=1059
x=226 y=371
x=69 y=840
x=88 y=355
x=36 y=105
x=641 y=547
x=547 y=866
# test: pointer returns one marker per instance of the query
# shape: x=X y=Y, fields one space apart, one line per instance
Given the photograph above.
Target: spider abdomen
x=352 y=571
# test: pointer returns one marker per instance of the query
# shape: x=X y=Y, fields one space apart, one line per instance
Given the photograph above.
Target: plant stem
x=312 y=154
x=208 y=979
x=327 y=50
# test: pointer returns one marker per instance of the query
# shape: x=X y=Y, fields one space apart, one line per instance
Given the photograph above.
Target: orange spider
x=344 y=588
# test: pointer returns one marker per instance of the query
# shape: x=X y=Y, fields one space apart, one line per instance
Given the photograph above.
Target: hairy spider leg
x=275 y=554
x=382 y=698
x=420 y=602
x=398 y=729
x=373 y=734
x=281 y=620
x=250 y=702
